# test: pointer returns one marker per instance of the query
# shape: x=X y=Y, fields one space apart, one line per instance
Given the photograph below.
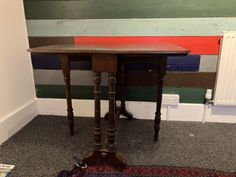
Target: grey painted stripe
x=131 y=27
x=55 y=77
x=208 y=63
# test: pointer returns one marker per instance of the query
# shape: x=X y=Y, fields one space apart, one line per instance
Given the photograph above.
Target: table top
x=111 y=48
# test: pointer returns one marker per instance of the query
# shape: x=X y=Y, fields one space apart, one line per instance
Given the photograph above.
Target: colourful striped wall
x=197 y=25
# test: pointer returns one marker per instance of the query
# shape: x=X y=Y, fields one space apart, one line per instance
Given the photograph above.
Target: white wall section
x=17 y=103
x=141 y=110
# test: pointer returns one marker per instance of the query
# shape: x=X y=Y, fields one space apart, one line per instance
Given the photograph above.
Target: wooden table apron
x=107 y=58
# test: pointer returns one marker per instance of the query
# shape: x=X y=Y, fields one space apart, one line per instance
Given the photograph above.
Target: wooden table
x=105 y=58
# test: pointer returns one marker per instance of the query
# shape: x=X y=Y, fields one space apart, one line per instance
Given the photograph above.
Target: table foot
x=120 y=111
x=126 y=113
x=157 y=126
x=156 y=136
x=71 y=126
x=113 y=158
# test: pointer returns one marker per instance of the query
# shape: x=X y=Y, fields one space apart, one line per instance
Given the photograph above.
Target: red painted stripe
x=200 y=45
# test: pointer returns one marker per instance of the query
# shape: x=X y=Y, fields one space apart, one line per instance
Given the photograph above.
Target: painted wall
x=199 y=24
x=17 y=103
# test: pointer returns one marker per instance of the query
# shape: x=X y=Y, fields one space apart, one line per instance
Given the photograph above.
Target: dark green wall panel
x=137 y=93
x=108 y=9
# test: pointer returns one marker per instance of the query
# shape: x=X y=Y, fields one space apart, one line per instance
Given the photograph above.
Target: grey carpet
x=43 y=147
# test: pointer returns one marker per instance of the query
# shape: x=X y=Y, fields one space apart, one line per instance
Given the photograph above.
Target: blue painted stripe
x=181 y=63
x=188 y=63
x=52 y=62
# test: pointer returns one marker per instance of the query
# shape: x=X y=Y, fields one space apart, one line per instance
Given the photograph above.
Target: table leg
x=111 y=118
x=116 y=160
x=161 y=70
x=108 y=154
x=65 y=63
x=96 y=154
x=97 y=106
x=123 y=110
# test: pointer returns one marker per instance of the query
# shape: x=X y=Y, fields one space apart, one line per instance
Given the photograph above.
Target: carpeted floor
x=43 y=147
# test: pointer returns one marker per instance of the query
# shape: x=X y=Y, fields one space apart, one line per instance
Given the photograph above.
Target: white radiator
x=225 y=88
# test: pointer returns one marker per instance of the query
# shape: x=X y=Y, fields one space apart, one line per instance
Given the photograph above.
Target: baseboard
x=142 y=110
x=17 y=119
x=13 y=122
x=221 y=114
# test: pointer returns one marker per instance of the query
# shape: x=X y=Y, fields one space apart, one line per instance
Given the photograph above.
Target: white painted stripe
x=141 y=110
x=132 y=27
x=208 y=63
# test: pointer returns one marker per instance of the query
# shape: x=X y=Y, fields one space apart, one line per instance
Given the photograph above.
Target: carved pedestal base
x=125 y=113
x=108 y=156
x=119 y=112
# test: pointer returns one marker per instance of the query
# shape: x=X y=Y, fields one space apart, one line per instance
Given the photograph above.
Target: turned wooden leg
x=160 y=76
x=158 y=108
x=108 y=153
x=65 y=63
x=97 y=116
x=116 y=160
x=123 y=110
x=96 y=154
x=111 y=118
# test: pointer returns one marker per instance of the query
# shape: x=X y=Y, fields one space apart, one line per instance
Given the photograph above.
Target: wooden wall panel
x=40 y=41
x=188 y=79
x=173 y=79
x=185 y=22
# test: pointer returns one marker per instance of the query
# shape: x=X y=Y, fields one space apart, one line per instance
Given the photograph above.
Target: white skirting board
x=142 y=110
x=17 y=119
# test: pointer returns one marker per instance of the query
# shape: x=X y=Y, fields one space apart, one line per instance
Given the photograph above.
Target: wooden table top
x=111 y=48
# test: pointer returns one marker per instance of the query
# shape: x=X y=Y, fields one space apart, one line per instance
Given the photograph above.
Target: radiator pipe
x=208 y=101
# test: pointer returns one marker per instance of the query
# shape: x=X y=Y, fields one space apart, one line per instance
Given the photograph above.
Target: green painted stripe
x=109 y=9
x=140 y=93
x=131 y=27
